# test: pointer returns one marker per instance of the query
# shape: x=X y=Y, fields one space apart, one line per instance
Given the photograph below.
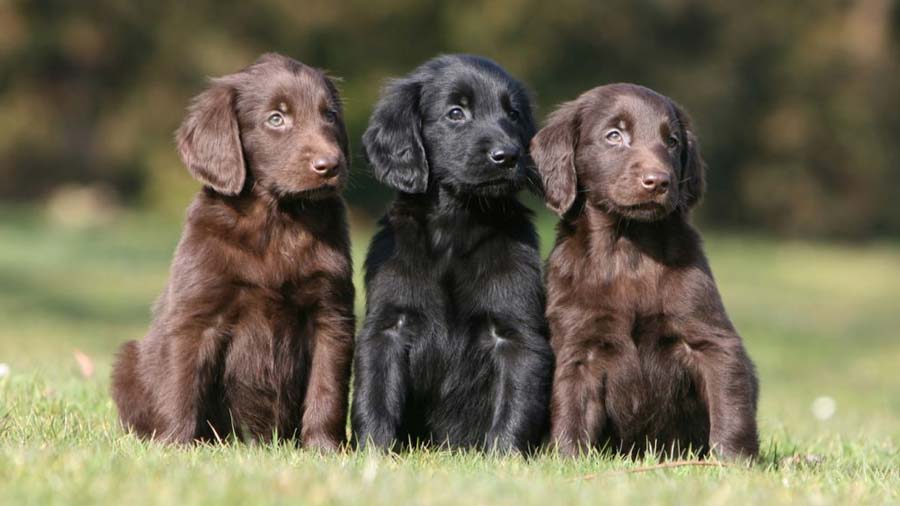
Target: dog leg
x=325 y=409
x=195 y=366
x=729 y=388
x=381 y=379
x=524 y=366
x=577 y=408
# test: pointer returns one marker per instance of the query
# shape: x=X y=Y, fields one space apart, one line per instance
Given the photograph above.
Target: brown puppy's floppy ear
x=209 y=140
x=393 y=140
x=553 y=151
x=343 y=140
x=692 y=182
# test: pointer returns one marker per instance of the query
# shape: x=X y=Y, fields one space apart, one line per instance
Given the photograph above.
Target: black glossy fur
x=454 y=348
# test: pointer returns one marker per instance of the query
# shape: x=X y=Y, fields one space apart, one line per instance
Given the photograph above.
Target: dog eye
x=456 y=114
x=672 y=142
x=330 y=116
x=275 y=120
x=513 y=114
x=615 y=136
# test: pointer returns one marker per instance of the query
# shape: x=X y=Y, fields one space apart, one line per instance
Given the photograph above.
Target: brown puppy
x=253 y=335
x=645 y=353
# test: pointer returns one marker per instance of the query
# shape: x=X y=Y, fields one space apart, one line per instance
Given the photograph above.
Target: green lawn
x=820 y=321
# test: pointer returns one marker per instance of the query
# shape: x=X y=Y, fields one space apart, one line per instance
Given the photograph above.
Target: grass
x=819 y=320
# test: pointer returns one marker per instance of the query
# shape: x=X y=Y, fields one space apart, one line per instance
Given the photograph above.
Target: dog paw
x=321 y=443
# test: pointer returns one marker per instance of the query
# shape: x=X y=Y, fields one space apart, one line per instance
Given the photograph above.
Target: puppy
x=645 y=353
x=454 y=349
x=253 y=335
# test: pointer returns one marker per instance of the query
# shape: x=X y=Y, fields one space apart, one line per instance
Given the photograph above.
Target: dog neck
x=441 y=203
x=262 y=203
x=670 y=240
x=458 y=223
x=449 y=201
x=255 y=218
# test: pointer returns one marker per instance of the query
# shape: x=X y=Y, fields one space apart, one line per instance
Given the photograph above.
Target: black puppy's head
x=631 y=150
x=457 y=121
x=277 y=126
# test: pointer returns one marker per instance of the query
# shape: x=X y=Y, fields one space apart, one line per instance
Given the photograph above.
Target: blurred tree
x=796 y=102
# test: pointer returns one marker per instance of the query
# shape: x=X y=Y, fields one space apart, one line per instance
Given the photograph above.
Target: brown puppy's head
x=630 y=150
x=276 y=126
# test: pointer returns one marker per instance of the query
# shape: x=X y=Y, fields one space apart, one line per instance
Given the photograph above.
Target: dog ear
x=693 y=168
x=393 y=140
x=553 y=151
x=527 y=130
x=209 y=140
x=343 y=140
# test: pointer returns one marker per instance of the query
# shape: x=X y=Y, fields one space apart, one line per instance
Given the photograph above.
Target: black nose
x=504 y=157
x=656 y=182
x=325 y=165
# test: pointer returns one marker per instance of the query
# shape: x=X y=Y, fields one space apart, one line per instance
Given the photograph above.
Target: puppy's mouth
x=492 y=187
x=494 y=183
x=318 y=193
x=644 y=211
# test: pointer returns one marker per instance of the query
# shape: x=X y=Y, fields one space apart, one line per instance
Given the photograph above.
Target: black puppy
x=454 y=350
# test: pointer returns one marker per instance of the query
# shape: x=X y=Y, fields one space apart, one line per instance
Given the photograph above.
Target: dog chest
x=266 y=364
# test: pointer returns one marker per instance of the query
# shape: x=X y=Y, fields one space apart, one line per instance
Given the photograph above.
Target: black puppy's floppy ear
x=692 y=182
x=209 y=140
x=553 y=151
x=393 y=140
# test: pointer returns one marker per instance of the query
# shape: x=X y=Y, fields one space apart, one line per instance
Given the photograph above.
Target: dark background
x=797 y=103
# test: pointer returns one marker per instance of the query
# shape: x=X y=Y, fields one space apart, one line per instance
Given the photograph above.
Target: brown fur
x=253 y=335
x=645 y=353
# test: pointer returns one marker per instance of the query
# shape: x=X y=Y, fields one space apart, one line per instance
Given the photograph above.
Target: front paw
x=178 y=434
x=500 y=444
x=743 y=454
x=567 y=448
x=322 y=443
x=374 y=443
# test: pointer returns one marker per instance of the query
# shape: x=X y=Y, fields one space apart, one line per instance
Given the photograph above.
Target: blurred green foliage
x=796 y=103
